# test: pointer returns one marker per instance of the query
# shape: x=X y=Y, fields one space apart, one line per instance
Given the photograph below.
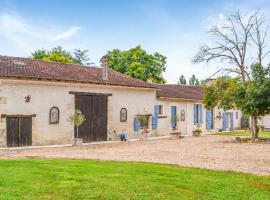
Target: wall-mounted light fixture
x=27 y=99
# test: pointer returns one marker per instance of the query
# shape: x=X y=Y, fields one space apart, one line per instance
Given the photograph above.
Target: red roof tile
x=27 y=68
x=180 y=91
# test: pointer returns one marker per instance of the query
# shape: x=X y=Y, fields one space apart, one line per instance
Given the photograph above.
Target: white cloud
x=67 y=34
x=25 y=36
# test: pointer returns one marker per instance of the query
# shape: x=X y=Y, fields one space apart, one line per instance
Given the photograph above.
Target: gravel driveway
x=211 y=152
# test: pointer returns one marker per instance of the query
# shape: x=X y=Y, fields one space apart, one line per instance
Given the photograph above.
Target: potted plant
x=143 y=133
x=197 y=132
x=77 y=118
x=175 y=134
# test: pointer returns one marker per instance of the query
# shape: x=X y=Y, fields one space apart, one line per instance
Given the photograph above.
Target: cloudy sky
x=175 y=28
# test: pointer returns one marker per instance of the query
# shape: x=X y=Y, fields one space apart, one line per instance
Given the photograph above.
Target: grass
x=243 y=133
x=82 y=179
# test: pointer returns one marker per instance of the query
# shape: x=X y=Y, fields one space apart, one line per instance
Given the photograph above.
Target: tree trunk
x=77 y=134
x=254 y=129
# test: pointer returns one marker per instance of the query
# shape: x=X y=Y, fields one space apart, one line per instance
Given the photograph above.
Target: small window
x=143 y=121
x=123 y=115
x=54 y=115
x=236 y=115
x=183 y=115
x=160 y=110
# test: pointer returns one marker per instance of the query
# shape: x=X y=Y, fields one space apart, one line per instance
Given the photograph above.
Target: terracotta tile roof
x=27 y=68
x=180 y=91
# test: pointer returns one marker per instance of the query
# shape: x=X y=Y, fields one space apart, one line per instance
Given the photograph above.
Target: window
x=236 y=115
x=141 y=121
x=144 y=121
x=158 y=110
x=182 y=115
x=198 y=114
x=54 y=115
x=123 y=115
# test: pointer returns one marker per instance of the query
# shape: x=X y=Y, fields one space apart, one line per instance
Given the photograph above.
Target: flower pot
x=196 y=134
x=175 y=135
x=77 y=141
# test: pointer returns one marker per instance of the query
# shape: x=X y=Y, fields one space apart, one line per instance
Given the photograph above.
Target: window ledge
x=162 y=116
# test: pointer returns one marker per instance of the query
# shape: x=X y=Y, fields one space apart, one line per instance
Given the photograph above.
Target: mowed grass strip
x=83 y=179
x=243 y=133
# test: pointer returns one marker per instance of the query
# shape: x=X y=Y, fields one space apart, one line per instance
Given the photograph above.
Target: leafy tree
x=77 y=118
x=39 y=54
x=58 y=54
x=237 y=38
x=137 y=63
x=193 y=80
x=81 y=56
x=182 y=80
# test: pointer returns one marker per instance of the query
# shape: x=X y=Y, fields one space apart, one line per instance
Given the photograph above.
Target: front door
x=95 y=109
x=209 y=120
x=19 y=131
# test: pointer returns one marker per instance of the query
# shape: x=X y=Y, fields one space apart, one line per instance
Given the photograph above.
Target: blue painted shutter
x=173 y=115
x=154 y=122
x=224 y=121
x=232 y=125
x=200 y=113
x=208 y=120
x=157 y=110
x=137 y=124
x=195 y=114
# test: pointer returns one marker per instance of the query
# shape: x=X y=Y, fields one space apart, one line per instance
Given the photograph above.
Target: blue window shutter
x=157 y=110
x=137 y=124
x=224 y=121
x=201 y=113
x=154 y=122
x=232 y=120
x=173 y=116
x=195 y=114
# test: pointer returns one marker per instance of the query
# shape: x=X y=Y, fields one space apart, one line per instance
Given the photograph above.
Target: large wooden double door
x=95 y=110
x=19 y=131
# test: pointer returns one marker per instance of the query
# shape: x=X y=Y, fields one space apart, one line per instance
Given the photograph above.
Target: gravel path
x=211 y=152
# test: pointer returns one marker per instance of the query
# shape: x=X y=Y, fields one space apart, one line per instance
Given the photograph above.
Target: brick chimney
x=104 y=64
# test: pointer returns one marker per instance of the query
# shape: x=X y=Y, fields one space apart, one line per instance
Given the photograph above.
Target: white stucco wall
x=265 y=121
x=45 y=95
x=186 y=127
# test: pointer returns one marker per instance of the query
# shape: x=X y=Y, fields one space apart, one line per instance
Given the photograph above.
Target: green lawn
x=82 y=179
x=243 y=133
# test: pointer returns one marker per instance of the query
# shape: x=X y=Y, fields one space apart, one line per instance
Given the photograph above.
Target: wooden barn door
x=95 y=109
x=19 y=131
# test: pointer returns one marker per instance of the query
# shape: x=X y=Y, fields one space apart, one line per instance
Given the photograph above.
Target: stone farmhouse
x=37 y=98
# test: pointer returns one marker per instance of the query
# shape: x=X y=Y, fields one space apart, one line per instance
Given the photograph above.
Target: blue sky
x=174 y=28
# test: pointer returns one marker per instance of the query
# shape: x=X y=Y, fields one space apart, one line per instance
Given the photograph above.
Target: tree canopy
x=249 y=90
x=193 y=80
x=182 y=80
x=137 y=63
x=58 y=54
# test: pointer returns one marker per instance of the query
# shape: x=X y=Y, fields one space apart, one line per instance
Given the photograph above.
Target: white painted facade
x=44 y=95
x=187 y=125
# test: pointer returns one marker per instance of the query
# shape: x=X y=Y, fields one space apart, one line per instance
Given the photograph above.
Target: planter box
x=196 y=134
x=175 y=135
x=77 y=141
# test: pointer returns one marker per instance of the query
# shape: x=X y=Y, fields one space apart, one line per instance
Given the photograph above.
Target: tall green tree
x=182 y=80
x=193 y=80
x=235 y=42
x=58 y=54
x=81 y=57
x=137 y=63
